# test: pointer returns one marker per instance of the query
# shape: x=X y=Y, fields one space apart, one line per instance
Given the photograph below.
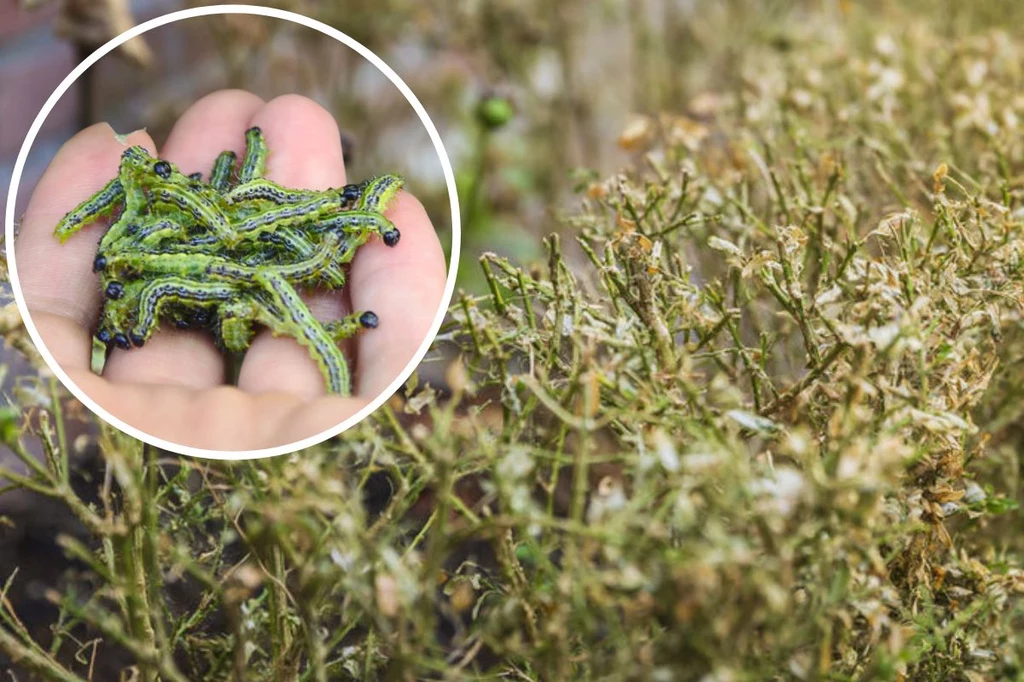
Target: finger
x=188 y=357
x=305 y=152
x=61 y=290
x=403 y=285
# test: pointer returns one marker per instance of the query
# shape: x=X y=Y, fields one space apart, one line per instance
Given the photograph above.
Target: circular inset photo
x=240 y=271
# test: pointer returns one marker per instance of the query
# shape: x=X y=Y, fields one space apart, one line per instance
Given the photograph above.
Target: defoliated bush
x=754 y=417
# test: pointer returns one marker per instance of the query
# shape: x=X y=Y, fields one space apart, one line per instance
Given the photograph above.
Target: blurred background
x=525 y=93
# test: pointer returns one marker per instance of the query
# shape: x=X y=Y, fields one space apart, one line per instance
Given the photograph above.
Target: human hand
x=174 y=387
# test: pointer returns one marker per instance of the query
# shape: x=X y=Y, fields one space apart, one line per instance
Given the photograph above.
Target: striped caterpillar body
x=229 y=254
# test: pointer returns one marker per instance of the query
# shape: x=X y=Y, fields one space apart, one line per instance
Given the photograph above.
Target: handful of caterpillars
x=228 y=254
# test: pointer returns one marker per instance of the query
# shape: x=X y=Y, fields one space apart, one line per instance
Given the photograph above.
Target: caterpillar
x=169 y=290
x=290 y=316
x=255 y=161
x=98 y=206
x=223 y=168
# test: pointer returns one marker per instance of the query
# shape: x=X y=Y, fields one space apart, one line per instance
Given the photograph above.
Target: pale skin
x=174 y=388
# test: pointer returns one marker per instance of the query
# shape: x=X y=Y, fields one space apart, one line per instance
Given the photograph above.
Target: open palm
x=175 y=387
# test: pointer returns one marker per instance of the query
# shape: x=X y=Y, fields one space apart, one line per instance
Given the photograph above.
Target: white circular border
x=453 y=198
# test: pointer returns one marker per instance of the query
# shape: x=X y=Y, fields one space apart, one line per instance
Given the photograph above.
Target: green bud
x=494 y=112
x=10 y=418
